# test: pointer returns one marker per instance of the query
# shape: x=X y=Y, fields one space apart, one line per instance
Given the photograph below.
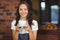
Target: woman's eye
x=20 y=9
x=25 y=9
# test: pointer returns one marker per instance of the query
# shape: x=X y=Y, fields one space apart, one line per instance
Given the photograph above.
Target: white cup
x=22 y=23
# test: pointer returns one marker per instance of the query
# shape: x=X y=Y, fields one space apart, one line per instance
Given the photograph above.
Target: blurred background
x=46 y=12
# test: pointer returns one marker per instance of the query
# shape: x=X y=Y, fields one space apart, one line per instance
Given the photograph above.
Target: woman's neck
x=23 y=18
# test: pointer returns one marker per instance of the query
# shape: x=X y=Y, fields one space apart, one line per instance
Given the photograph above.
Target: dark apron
x=23 y=36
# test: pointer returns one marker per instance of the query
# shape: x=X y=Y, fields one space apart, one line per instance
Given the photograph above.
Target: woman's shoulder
x=34 y=21
x=13 y=21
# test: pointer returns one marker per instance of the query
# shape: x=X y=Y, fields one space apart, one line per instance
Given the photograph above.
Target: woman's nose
x=23 y=10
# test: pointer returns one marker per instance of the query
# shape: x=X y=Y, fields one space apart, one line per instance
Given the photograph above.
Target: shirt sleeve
x=35 y=25
x=13 y=25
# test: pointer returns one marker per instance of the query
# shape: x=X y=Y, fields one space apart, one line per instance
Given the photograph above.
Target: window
x=54 y=14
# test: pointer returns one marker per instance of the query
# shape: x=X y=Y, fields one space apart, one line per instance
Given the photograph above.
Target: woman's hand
x=17 y=28
x=28 y=28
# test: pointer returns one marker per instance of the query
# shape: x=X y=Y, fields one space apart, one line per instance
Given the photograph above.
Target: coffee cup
x=22 y=23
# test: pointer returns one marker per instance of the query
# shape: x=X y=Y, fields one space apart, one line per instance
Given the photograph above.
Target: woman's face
x=23 y=10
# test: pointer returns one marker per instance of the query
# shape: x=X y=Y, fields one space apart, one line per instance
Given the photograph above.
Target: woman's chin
x=23 y=16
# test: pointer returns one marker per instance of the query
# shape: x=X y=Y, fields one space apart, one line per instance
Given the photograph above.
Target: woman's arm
x=15 y=33
x=32 y=35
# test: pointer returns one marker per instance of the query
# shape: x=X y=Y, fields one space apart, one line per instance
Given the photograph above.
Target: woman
x=30 y=30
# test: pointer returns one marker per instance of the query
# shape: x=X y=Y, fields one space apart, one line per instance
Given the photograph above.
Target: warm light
x=43 y=4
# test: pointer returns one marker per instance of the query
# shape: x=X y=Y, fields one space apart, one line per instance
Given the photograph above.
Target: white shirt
x=34 y=26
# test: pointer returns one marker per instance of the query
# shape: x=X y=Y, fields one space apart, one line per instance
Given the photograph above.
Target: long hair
x=29 y=16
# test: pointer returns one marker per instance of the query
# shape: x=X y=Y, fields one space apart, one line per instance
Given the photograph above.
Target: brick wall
x=7 y=14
